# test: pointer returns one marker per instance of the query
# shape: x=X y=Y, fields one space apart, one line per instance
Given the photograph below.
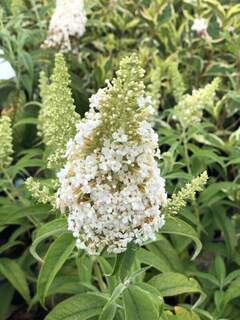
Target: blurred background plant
x=183 y=46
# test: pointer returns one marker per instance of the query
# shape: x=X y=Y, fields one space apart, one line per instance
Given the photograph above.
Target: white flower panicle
x=112 y=189
x=6 y=70
x=67 y=23
x=200 y=26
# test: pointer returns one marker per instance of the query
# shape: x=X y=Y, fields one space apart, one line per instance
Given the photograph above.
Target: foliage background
x=160 y=31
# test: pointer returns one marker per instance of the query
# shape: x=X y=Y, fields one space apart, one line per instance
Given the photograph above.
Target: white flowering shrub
x=114 y=193
x=67 y=23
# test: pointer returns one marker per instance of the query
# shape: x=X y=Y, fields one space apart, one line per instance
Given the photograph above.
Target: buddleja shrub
x=112 y=199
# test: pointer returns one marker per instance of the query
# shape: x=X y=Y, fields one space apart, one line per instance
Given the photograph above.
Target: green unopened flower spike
x=17 y=6
x=190 y=108
x=125 y=89
x=179 y=200
x=6 y=142
x=43 y=87
x=235 y=137
x=42 y=193
x=176 y=80
x=18 y=131
x=155 y=83
x=57 y=118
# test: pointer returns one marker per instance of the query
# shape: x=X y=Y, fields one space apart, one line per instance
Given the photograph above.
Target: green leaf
x=217 y=7
x=232 y=292
x=6 y=294
x=124 y=261
x=12 y=215
x=9 y=245
x=165 y=15
x=206 y=154
x=179 y=227
x=220 y=269
x=109 y=309
x=56 y=256
x=47 y=230
x=206 y=276
x=185 y=314
x=12 y=271
x=132 y=24
x=157 y=298
x=85 y=267
x=219 y=300
x=105 y=265
x=107 y=270
x=233 y=11
x=151 y=259
x=108 y=312
x=80 y=307
x=139 y=304
x=161 y=255
x=166 y=252
x=231 y=276
x=178 y=175
x=227 y=226
x=24 y=163
x=210 y=192
x=173 y=284
x=66 y=285
x=25 y=121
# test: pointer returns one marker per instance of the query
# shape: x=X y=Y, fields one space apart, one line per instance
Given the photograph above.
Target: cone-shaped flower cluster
x=57 y=118
x=6 y=144
x=57 y=125
x=154 y=88
x=17 y=6
x=111 y=186
x=179 y=200
x=176 y=80
x=67 y=23
x=43 y=193
x=189 y=109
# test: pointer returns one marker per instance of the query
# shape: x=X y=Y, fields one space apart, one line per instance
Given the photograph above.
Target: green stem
x=188 y=163
x=33 y=3
x=99 y=276
x=15 y=194
x=187 y=158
